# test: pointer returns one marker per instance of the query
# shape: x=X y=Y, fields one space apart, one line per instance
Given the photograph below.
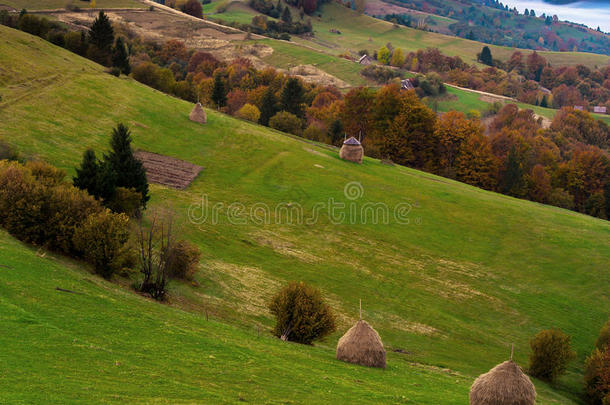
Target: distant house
x=365 y=60
x=600 y=110
x=579 y=107
x=406 y=84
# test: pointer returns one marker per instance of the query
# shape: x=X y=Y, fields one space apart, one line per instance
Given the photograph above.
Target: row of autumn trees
x=565 y=165
x=528 y=78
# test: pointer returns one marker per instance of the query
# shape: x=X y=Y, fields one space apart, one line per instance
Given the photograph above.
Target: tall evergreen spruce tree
x=101 y=33
x=128 y=170
x=219 y=92
x=335 y=131
x=607 y=199
x=120 y=58
x=292 y=97
x=106 y=182
x=268 y=107
x=87 y=174
x=486 y=57
x=95 y=177
x=286 y=15
x=513 y=176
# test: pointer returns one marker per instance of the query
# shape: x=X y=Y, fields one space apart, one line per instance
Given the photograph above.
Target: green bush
x=286 y=122
x=551 y=353
x=37 y=207
x=45 y=173
x=34 y=25
x=102 y=239
x=21 y=203
x=249 y=112
x=126 y=201
x=603 y=341
x=301 y=314
x=67 y=208
x=315 y=133
x=184 y=260
x=597 y=377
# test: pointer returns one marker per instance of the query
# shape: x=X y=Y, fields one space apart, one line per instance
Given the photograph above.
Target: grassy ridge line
x=531 y=262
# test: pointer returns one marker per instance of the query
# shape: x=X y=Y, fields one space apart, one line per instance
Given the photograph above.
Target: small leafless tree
x=155 y=243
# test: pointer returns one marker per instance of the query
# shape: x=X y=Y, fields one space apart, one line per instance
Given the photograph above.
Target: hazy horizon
x=591 y=13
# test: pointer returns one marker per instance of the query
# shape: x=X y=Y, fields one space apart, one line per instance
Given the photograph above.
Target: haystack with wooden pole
x=198 y=114
x=361 y=345
x=505 y=384
x=352 y=150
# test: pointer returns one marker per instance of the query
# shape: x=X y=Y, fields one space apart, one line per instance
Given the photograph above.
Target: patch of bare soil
x=312 y=74
x=168 y=171
x=161 y=26
x=488 y=98
x=544 y=121
x=378 y=7
x=225 y=43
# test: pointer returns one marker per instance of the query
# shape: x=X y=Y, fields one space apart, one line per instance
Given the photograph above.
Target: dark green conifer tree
x=286 y=15
x=268 y=107
x=219 y=92
x=335 y=131
x=106 y=182
x=486 y=57
x=291 y=99
x=513 y=176
x=120 y=58
x=87 y=174
x=101 y=33
x=128 y=170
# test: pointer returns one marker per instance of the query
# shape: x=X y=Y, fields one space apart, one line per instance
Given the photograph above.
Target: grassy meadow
x=463 y=275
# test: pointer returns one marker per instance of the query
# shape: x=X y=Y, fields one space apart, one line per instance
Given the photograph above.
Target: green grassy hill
x=471 y=273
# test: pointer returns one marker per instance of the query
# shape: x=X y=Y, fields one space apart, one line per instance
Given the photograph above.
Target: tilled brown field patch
x=168 y=171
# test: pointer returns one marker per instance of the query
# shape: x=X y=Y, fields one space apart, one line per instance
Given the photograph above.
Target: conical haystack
x=505 y=384
x=362 y=345
x=198 y=114
x=352 y=150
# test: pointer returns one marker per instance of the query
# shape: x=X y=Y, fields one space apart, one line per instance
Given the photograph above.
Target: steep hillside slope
x=469 y=274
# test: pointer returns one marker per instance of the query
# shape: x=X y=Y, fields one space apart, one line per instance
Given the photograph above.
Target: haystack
x=352 y=150
x=198 y=114
x=505 y=384
x=362 y=345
